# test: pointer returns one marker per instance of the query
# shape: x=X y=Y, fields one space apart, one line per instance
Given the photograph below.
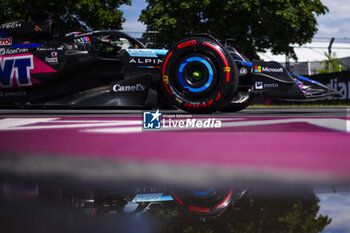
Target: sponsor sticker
x=45 y=49
x=128 y=88
x=141 y=53
x=272 y=70
x=10 y=25
x=6 y=41
x=145 y=61
x=54 y=54
x=53 y=60
x=271 y=85
x=13 y=93
x=11 y=51
x=16 y=68
x=257 y=69
x=243 y=71
x=146 y=52
x=149 y=197
x=342 y=87
x=160 y=52
x=259 y=85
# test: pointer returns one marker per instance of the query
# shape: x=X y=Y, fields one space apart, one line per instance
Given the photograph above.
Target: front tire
x=199 y=76
x=210 y=201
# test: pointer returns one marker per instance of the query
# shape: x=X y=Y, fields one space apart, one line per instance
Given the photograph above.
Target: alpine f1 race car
x=208 y=202
x=111 y=69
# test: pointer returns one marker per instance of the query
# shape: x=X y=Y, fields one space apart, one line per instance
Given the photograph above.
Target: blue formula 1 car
x=112 y=69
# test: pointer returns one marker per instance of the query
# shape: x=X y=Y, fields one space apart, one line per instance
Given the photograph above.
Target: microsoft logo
x=257 y=69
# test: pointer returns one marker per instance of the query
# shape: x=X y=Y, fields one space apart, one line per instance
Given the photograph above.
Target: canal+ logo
x=151 y=120
x=16 y=68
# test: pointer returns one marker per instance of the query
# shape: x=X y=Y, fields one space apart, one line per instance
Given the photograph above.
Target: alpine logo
x=146 y=61
x=16 y=68
x=123 y=88
x=6 y=41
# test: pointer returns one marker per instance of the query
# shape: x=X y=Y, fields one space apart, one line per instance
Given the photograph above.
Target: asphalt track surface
x=295 y=144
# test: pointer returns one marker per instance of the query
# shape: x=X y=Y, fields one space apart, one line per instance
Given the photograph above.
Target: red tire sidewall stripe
x=225 y=200
x=163 y=72
x=177 y=198
x=222 y=57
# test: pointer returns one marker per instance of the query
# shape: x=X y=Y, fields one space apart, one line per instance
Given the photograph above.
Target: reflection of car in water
x=48 y=207
x=112 y=69
x=127 y=200
x=211 y=201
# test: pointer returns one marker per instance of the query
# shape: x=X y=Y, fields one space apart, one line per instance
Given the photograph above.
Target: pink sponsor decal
x=16 y=70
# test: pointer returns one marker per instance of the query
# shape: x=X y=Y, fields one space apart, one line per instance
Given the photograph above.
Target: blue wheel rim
x=210 y=71
x=201 y=193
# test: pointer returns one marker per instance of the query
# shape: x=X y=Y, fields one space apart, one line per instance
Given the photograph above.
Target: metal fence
x=311 y=68
x=149 y=39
